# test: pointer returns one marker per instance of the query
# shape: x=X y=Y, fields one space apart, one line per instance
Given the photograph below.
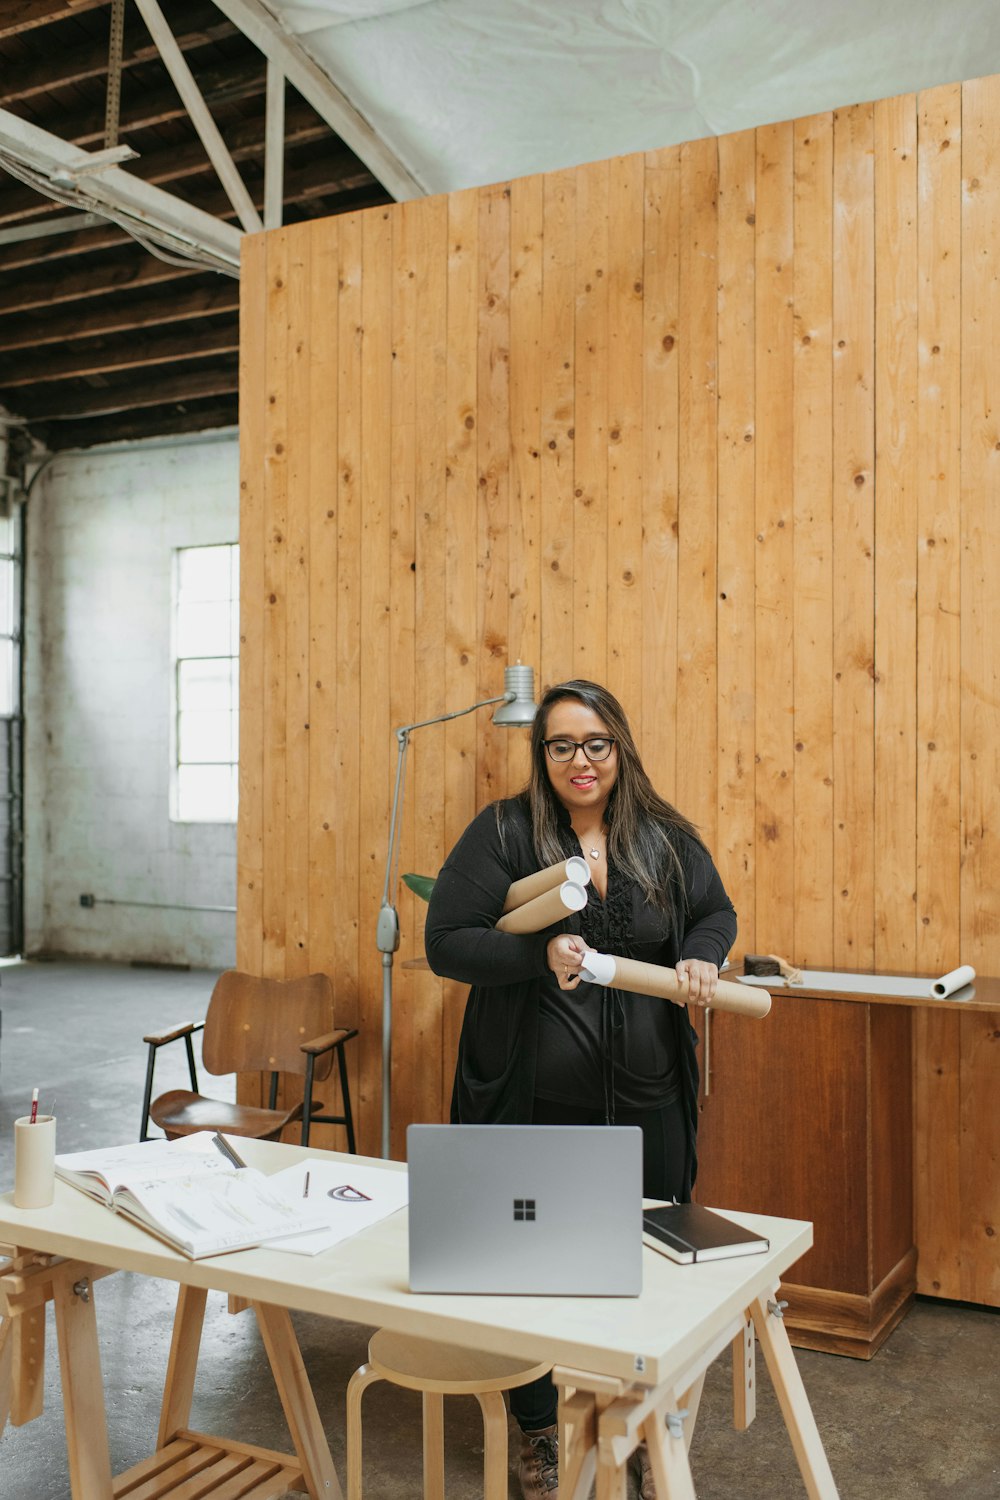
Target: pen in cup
x=34 y=1107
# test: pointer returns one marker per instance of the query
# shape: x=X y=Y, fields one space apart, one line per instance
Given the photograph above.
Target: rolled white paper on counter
x=949 y=983
x=552 y=906
x=657 y=979
x=522 y=891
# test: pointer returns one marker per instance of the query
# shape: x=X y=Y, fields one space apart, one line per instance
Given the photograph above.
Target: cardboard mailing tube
x=550 y=907
x=653 y=979
x=575 y=869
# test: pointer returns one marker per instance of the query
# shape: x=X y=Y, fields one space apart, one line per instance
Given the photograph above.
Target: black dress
x=522 y=1036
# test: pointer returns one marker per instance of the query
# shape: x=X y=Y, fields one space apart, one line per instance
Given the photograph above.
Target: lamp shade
x=521 y=708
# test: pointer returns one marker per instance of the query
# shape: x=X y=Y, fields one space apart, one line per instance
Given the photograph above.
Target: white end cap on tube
x=578 y=870
x=949 y=983
x=573 y=896
x=598 y=968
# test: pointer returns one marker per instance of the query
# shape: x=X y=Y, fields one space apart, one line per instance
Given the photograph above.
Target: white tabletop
x=364 y=1280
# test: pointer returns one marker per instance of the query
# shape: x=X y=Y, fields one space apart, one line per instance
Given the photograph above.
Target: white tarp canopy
x=467 y=92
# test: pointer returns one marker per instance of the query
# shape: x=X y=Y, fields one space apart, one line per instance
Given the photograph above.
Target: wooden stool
x=439 y=1370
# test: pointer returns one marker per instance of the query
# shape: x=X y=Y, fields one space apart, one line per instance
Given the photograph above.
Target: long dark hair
x=642 y=825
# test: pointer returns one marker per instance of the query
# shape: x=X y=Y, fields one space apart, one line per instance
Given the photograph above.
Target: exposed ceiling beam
x=127 y=395
x=24 y=15
x=90 y=60
x=201 y=118
x=200 y=416
x=226 y=83
x=88 y=319
x=155 y=214
x=78 y=361
x=174 y=163
x=117 y=275
x=287 y=53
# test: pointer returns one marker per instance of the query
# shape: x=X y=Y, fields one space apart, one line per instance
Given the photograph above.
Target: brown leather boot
x=538 y=1469
x=642 y=1468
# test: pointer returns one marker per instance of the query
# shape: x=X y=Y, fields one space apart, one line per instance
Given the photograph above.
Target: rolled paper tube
x=949 y=983
x=551 y=906
x=655 y=979
x=522 y=891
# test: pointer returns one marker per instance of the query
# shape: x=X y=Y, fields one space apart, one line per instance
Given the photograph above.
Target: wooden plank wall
x=717 y=425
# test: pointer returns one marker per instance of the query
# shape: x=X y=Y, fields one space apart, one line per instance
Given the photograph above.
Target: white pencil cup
x=34 y=1161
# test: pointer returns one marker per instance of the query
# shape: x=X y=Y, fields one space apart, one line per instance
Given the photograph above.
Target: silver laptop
x=552 y=1210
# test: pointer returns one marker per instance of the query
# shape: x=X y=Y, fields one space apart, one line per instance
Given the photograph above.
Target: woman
x=539 y=1045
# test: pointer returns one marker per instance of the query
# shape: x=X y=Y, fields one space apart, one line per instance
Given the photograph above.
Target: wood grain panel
x=854 y=540
x=980 y=535
x=697 y=522
x=775 y=555
x=896 y=438
x=375 y=723
x=590 y=428
x=432 y=1060
x=320 y=584
x=274 y=801
x=715 y=424
x=299 y=491
x=524 y=629
x=254 y=369
x=937 y=1043
x=461 y=546
x=660 y=452
x=558 y=417
x=346 y=746
x=624 y=453
x=812 y=601
x=736 y=605
x=408 y=1077
x=493 y=511
x=980 y=734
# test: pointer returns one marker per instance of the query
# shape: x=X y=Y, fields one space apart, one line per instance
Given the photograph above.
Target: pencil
x=305 y=1190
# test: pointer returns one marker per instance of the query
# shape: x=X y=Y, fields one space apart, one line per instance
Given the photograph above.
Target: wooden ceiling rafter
x=99 y=341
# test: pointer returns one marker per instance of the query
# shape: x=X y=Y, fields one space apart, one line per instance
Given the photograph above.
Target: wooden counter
x=822 y=1111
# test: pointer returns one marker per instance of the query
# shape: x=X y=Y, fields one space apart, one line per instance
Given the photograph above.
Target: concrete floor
x=918 y=1422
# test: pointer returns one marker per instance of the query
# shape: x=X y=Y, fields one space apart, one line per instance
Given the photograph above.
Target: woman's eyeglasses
x=564 y=750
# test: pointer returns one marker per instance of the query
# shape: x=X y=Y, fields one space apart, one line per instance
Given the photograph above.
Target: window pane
x=205 y=736
x=207 y=684
x=204 y=573
x=206 y=794
x=206 y=647
x=6 y=597
x=8 y=693
x=205 y=629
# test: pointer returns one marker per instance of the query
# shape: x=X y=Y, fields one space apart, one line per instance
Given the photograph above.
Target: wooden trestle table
x=627 y=1369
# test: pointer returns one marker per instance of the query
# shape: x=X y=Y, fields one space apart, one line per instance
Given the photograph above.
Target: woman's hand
x=564 y=956
x=702 y=980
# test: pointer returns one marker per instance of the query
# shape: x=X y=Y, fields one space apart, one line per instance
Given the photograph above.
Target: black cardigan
x=495 y=1076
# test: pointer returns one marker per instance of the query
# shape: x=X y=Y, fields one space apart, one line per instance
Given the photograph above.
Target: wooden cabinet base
x=842 y=1323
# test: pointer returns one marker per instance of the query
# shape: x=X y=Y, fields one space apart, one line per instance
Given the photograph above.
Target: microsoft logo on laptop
x=524 y=1208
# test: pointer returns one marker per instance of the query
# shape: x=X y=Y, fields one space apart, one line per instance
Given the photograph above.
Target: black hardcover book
x=687 y=1232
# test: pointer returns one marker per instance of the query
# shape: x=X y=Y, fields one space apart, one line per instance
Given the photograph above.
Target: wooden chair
x=255 y=1025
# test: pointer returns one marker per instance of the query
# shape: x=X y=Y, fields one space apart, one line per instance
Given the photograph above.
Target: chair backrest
x=258 y=1025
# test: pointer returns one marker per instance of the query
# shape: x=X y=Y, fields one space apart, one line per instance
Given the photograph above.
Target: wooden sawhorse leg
x=814 y=1467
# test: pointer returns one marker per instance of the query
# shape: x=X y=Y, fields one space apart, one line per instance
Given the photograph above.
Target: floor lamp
x=519 y=708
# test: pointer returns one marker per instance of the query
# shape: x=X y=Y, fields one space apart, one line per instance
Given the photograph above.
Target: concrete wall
x=102 y=528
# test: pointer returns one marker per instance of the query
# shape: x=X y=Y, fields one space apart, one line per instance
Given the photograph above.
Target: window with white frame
x=206 y=683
